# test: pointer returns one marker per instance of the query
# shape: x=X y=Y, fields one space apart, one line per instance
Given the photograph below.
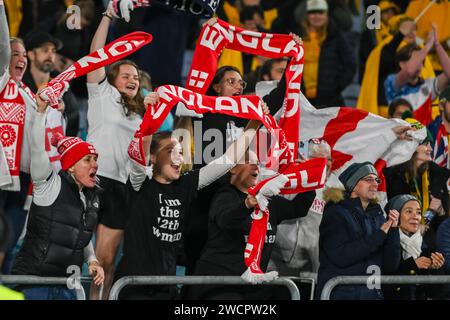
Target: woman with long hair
x=115 y=112
x=426 y=181
x=329 y=59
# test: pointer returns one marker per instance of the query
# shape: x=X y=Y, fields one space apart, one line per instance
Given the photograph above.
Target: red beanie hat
x=71 y=149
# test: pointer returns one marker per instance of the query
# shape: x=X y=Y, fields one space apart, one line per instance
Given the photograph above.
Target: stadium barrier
x=45 y=281
x=196 y=280
x=348 y=280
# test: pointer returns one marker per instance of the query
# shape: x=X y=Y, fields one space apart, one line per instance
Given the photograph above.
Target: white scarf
x=411 y=245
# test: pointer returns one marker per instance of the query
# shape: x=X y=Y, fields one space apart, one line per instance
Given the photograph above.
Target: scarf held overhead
x=213 y=39
x=247 y=107
x=298 y=178
x=116 y=50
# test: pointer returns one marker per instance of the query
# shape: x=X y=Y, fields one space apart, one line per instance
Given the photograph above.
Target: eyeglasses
x=371 y=180
x=233 y=82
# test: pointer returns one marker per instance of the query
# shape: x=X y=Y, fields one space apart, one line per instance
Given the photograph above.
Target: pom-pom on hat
x=71 y=149
x=408 y=117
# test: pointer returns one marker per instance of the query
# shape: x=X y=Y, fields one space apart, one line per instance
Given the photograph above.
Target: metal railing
x=309 y=280
x=196 y=280
x=347 y=280
x=44 y=281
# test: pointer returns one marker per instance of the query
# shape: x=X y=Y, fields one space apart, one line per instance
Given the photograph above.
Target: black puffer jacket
x=57 y=234
x=337 y=68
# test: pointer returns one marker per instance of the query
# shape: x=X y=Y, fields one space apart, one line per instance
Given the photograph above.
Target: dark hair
x=248 y=12
x=405 y=53
x=130 y=105
x=157 y=138
x=268 y=65
x=398 y=102
x=409 y=169
x=220 y=73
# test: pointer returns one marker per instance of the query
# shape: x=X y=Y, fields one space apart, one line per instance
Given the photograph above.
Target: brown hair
x=405 y=53
x=220 y=73
x=135 y=104
x=156 y=140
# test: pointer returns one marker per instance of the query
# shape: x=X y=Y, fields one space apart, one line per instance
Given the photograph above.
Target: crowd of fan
x=124 y=220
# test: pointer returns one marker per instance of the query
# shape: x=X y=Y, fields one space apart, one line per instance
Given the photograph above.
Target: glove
x=271 y=188
x=53 y=93
x=122 y=8
x=136 y=150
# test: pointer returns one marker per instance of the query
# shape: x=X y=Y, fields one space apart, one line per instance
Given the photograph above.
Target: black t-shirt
x=229 y=226
x=154 y=230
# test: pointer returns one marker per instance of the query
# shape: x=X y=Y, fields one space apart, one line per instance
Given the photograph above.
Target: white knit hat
x=316 y=5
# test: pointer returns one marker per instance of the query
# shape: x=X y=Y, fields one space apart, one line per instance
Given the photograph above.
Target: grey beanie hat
x=354 y=173
x=398 y=202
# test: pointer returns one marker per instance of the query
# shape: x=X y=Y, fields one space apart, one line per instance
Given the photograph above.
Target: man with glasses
x=355 y=238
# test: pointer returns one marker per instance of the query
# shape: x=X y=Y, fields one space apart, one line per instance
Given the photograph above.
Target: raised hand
x=296 y=38
x=210 y=22
x=152 y=98
x=393 y=216
x=250 y=201
x=401 y=132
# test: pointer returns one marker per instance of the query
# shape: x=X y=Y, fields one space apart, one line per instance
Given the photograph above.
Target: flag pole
x=424 y=10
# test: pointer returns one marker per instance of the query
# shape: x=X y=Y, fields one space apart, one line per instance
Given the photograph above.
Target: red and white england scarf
x=248 y=107
x=114 y=51
x=12 y=120
x=302 y=177
x=213 y=39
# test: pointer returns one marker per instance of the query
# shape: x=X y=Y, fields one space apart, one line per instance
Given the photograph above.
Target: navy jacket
x=443 y=243
x=350 y=241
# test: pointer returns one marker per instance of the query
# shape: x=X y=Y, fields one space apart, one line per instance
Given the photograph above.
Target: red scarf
x=213 y=39
x=12 y=120
x=247 y=107
x=114 y=51
x=303 y=177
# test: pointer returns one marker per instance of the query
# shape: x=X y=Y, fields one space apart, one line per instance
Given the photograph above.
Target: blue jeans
x=16 y=216
x=49 y=293
x=12 y=203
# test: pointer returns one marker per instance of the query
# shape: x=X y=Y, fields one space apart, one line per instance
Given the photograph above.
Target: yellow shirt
x=438 y=13
x=311 y=65
x=14 y=10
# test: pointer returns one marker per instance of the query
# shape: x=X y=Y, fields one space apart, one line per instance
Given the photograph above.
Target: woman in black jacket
x=425 y=180
x=416 y=258
x=63 y=214
x=228 y=229
x=329 y=58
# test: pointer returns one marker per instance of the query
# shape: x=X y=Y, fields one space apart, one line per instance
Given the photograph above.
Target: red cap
x=71 y=149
